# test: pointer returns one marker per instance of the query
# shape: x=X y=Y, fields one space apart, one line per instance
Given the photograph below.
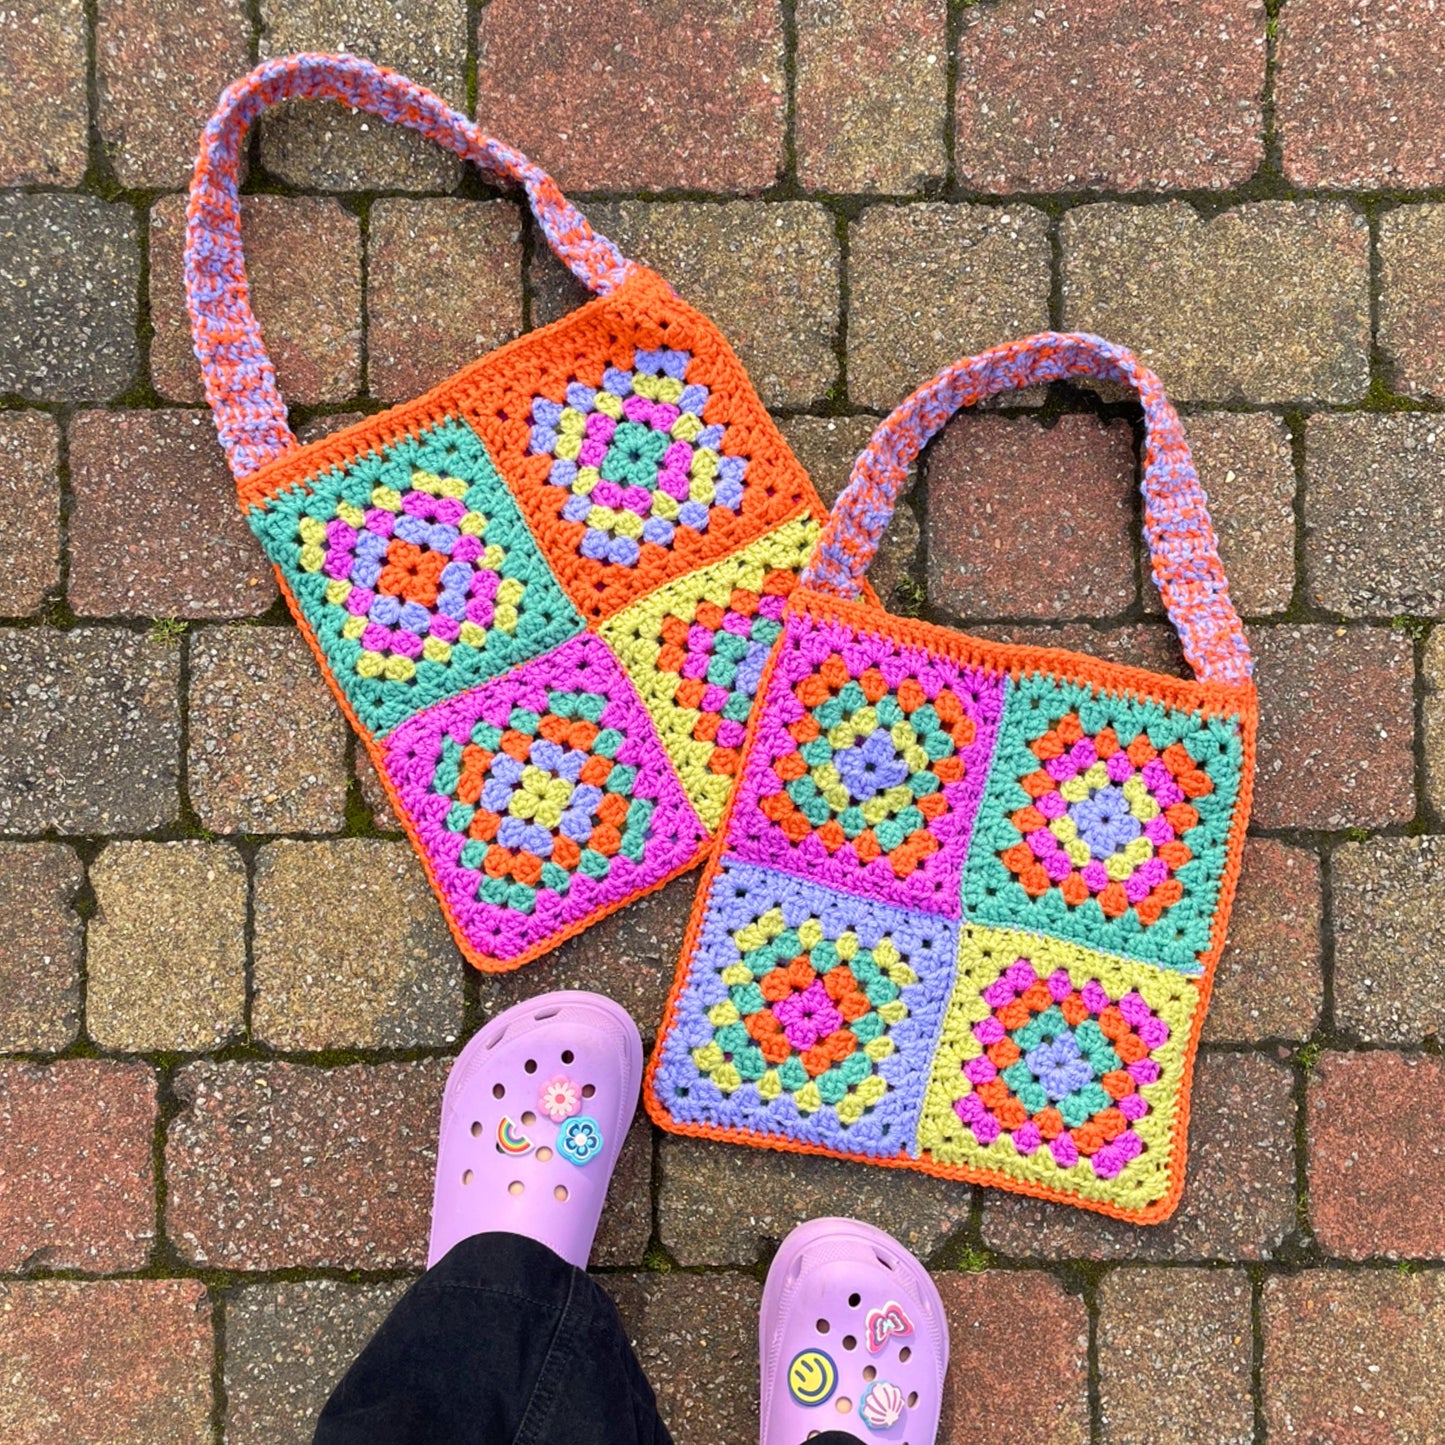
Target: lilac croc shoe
x=851 y=1336
x=533 y=1118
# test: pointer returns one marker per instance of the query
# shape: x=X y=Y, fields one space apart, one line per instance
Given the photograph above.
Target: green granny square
x=416 y=572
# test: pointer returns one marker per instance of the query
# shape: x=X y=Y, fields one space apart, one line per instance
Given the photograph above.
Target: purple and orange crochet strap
x=964 y=910
x=544 y=592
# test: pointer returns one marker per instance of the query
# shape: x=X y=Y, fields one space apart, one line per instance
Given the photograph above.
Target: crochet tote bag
x=965 y=909
x=543 y=593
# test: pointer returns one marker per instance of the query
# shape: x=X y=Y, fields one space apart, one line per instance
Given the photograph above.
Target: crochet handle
x=239 y=378
x=1182 y=547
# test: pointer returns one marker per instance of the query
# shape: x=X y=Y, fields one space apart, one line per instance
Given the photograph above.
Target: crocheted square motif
x=696 y=649
x=807 y=1014
x=634 y=459
x=416 y=572
x=1106 y=821
x=1060 y=1066
x=869 y=765
x=542 y=795
x=636 y=447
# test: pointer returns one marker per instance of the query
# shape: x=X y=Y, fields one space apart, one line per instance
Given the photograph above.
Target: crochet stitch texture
x=965 y=906
x=544 y=592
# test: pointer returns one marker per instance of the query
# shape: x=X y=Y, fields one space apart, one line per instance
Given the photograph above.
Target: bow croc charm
x=542 y=593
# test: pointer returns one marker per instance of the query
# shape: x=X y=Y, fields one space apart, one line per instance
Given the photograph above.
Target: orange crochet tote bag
x=544 y=592
x=964 y=911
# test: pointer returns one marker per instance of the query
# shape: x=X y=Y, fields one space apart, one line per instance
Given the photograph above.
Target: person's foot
x=534 y=1114
x=851 y=1337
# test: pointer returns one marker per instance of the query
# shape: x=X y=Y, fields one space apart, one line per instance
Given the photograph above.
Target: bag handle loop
x=1183 y=549
x=239 y=378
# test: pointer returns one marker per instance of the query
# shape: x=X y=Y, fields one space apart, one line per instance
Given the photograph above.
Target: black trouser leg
x=500 y=1343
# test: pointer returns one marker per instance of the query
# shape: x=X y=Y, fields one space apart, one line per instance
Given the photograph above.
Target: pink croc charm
x=503 y=1164
x=850 y=1324
x=560 y=1098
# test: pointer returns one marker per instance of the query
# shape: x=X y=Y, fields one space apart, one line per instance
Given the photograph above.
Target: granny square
x=1106 y=821
x=869 y=765
x=806 y=1014
x=1059 y=1066
x=416 y=572
x=696 y=649
x=542 y=796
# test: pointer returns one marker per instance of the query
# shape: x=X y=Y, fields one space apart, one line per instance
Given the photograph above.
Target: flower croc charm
x=543 y=592
x=965 y=909
x=535 y=1158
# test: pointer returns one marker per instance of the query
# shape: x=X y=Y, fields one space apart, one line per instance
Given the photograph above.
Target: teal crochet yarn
x=416 y=571
x=1105 y=821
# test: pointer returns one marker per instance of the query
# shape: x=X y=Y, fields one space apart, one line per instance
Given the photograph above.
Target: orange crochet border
x=1209 y=698
x=633 y=306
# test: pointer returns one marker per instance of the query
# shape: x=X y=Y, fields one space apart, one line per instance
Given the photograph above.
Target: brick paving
x=217 y=1114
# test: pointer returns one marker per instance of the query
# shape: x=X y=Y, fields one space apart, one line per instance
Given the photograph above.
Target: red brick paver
x=1377 y=1155
x=1075 y=94
x=42 y=94
x=1002 y=545
x=617 y=94
x=113 y=1362
x=30 y=500
x=1010 y=1333
x=77 y=1188
x=1354 y=1358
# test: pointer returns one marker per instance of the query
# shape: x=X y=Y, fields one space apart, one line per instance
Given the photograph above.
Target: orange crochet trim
x=1211 y=699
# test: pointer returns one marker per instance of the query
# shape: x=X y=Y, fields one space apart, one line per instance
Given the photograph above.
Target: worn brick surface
x=1176 y=1353
x=696 y=1337
x=1245 y=465
x=275 y=1165
x=113 y=1362
x=870 y=94
x=930 y=283
x=630 y=956
x=767 y=275
x=78 y=1187
x=42 y=94
x=1265 y=302
x=1358 y=94
x=154 y=527
x=303 y=265
x=39 y=946
x=30 y=501
x=626 y=1224
x=1412 y=297
x=1434 y=719
x=313 y=144
x=287 y=1347
x=1377 y=1155
x=374 y=795
x=1238 y=1199
x=380 y=970
x=267 y=744
x=1374 y=507
x=1031 y=521
x=636 y=95
x=69 y=278
x=90 y=721
x=1269 y=983
x=720 y=1205
x=1388 y=907
x=1010 y=1333
x=1079 y=94
x=160 y=66
x=1353 y=1358
x=1336 y=727
x=444 y=286
x=166 y=949
x=827 y=447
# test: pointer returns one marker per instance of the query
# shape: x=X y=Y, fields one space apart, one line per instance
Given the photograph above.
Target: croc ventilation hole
x=912 y=1398
x=823 y=1327
x=850 y=1342
x=588 y=1090
x=476 y=1128
x=843 y=1405
x=869 y=1373
x=854 y=1300
x=467 y=1176
x=904 y=1355
x=499 y=1091
x=529 y=1118
x=530 y=1066
x=560 y=1194
x=568 y=1056
x=543 y=1154
x=515 y=1187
